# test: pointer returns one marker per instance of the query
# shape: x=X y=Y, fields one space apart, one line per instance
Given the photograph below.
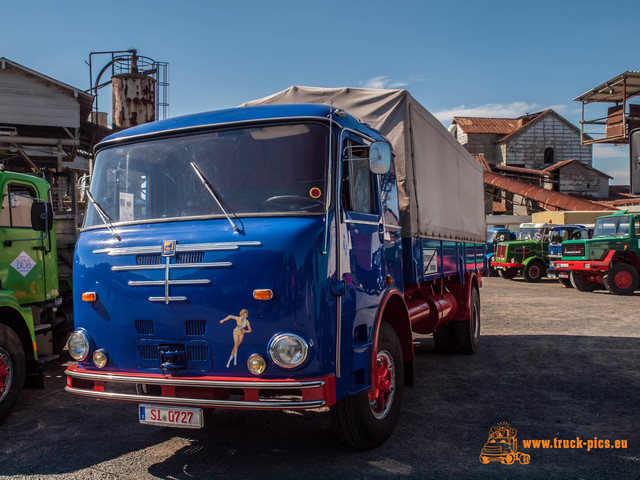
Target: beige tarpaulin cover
x=440 y=186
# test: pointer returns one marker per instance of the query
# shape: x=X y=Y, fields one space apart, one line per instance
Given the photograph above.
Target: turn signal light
x=264 y=294
x=89 y=296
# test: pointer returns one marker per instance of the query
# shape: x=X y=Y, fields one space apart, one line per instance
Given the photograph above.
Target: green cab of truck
x=529 y=254
x=28 y=283
x=611 y=259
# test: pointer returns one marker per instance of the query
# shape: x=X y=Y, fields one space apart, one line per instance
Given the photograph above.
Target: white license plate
x=166 y=416
x=562 y=265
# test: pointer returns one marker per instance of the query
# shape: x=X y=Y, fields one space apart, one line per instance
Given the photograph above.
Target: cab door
x=362 y=265
x=22 y=266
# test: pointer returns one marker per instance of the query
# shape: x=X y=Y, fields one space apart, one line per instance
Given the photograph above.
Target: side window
x=358 y=187
x=636 y=227
x=16 y=206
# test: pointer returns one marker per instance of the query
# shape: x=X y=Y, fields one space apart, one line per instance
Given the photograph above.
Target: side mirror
x=41 y=217
x=379 y=158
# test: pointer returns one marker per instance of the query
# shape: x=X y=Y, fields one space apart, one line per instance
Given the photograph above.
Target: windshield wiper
x=104 y=216
x=213 y=193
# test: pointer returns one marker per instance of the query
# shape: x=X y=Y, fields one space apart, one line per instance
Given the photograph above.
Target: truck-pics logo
x=502 y=446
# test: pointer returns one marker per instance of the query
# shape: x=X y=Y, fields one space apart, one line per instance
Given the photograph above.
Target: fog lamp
x=78 y=345
x=256 y=364
x=100 y=358
x=288 y=350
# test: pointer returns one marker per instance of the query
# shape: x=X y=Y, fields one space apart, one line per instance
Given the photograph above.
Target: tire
x=622 y=279
x=582 y=282
x=509 y=459
x=444 y=339
x=467 y=332
x=484 y=459
x=534 y=271
x=493 y=271
x=565 y=282
x=508 y=273
x=12 y=370
x=367 y=420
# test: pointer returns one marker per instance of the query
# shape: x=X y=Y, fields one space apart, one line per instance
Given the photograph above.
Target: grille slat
x=148 y=259
x=189 y=257
x=196 y=327
x=149 y=352
x=144 y=327
x=197 y=353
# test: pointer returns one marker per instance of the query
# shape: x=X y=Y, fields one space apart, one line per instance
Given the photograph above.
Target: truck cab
x=527 y=255
x=495 y=236
x=610 y=259
x=559 y=234
x=29 y=291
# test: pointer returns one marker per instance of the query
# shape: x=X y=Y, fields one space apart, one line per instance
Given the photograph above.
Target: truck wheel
x=509 y=459
x=367 y=420
x=622 y=279
x=467 y=332
x=565 y=282
x=12 y=370
x=508 y=273
x=484 y=459
x=534 y=271
x=583 y=282
x=444 y=339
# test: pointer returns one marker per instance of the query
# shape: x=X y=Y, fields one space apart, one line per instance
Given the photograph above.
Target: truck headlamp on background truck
x=288 y=350
x=79 y=345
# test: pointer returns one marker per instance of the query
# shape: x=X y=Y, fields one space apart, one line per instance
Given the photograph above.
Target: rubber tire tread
x=528 y=277
x=444 y=339
x=612 y=287
x=508 y=274
x=351 y=416
x=581 y=286
x=10 y=342
x=465 y=338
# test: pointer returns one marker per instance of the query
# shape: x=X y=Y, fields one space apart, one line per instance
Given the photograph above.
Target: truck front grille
x=573 y=250
x=501 y=252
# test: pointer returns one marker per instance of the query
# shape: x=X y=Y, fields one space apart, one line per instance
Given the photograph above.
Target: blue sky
x=491 y=58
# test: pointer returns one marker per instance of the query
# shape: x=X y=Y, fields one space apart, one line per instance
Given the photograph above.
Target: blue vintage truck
x=559 y=234
x=277 y=257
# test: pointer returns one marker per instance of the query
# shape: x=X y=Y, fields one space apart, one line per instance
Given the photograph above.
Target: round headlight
x=78 y=345
x=288 y=350
x=100 y=358
x=256 y=364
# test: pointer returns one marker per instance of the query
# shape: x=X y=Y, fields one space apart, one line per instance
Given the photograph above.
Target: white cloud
x=490 y=110
x=610 y=151
x=382 y=81
x=495 y=110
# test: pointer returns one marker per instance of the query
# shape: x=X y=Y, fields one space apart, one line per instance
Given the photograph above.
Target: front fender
x=18 y=318
x=528 y=260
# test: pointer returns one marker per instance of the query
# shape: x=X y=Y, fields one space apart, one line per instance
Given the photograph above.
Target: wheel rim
x=534 y=272
x=6 y=373
x=475 y=324
x=383 y=391
x=623 y=280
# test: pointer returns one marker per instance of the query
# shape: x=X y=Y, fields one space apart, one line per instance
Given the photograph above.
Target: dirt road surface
x=555 y=363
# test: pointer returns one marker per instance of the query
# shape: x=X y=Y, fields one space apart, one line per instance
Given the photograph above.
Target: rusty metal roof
x=545 y=197
x=487 y=125
x=613 y=90
x=522 y=170
x=564 y=163
x=482 y=160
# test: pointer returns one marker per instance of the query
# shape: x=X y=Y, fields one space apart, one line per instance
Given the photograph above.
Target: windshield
x=612 y=227
x=529 y=233
x=261 y=170
x=559 y=236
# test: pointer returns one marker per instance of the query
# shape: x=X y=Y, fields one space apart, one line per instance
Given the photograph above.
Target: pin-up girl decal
x=242 y=326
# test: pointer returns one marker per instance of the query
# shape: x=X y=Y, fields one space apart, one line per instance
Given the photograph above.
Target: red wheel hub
x=382 y=391
x=5 y=372
x=623 y=280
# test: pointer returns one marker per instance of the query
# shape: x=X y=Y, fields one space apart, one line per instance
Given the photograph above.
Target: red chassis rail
x=506 y=265
x=214 y=392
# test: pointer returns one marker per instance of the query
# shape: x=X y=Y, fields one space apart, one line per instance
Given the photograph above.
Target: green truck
x=610 y=259
x=528 y=254
x=35 y=303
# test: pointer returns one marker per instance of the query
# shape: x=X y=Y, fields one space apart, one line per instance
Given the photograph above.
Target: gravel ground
x=553 y=362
